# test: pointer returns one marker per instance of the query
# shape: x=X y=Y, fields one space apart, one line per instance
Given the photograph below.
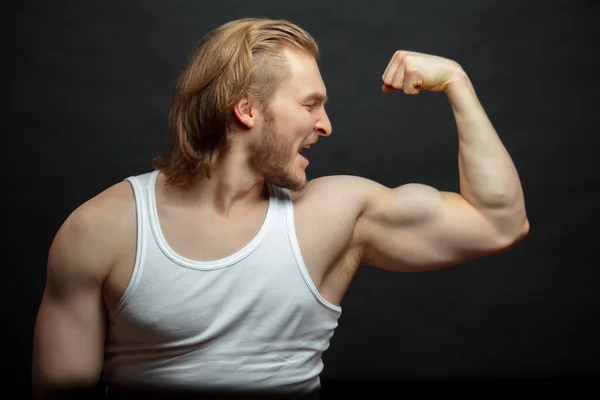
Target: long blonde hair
x=239 y=58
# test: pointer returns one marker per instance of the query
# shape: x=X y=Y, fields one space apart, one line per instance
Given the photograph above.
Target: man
x=222 y=271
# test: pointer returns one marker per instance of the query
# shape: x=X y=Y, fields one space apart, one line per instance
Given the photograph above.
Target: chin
x=297 y=184
x=294 y=181
x=301 y=185
x=300 y=178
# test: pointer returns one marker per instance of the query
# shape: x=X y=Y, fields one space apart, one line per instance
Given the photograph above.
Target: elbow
x=522 y=227
x=522 y=231
x=66 y=390
x=526 y=227
x=517 y=232
x=52 y=384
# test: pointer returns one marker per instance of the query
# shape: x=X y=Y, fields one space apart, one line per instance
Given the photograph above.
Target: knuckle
x=410 y=70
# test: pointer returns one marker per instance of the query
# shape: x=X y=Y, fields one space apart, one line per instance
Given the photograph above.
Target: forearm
x=488 y=177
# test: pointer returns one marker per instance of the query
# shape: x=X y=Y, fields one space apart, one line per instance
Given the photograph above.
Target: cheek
x=293 y=128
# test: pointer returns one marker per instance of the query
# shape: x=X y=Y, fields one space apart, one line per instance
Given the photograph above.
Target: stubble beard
x=270 y=157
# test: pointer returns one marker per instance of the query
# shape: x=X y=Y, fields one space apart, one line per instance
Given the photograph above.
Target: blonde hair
x=239 y=58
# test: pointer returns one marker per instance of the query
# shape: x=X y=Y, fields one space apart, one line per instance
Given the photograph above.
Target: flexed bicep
x=416 y=228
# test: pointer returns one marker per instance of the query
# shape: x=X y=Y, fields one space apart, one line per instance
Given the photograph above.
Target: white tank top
x=251 y=321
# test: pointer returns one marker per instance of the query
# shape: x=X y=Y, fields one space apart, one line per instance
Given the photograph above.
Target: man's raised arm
x=416 y=227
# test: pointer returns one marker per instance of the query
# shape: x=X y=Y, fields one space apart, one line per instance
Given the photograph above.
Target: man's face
x=296 y=117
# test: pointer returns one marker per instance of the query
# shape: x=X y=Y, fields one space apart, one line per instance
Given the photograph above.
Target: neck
x=232 y=189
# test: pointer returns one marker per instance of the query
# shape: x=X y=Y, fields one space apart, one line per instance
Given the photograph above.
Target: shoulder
x=110 y=209
x=91 y=236
x=340 y=191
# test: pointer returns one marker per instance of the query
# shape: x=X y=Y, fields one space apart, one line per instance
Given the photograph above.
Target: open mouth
x=302 y=150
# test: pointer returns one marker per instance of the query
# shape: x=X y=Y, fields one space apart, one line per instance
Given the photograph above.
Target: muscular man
x=222 y=270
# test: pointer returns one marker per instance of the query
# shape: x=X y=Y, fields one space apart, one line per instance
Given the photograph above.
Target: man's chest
x=323 y=236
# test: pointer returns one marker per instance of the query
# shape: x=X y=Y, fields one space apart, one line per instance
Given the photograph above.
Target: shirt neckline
x=212 y=264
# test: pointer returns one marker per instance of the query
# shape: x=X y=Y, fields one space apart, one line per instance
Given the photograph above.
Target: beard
x=270 y=157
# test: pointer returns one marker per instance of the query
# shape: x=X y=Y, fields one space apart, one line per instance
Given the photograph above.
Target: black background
x=90 y=89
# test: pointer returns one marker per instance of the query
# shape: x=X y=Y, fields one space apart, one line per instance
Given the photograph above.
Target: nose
x=323 y=125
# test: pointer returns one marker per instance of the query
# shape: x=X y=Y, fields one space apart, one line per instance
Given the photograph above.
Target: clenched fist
x=413 y=72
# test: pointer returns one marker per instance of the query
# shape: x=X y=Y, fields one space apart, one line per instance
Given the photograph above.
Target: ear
x=245 y=112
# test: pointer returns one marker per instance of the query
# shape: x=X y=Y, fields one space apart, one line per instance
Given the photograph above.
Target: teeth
x=307 y=146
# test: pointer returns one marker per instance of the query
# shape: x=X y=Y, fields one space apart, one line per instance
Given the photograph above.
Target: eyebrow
x=317 y=96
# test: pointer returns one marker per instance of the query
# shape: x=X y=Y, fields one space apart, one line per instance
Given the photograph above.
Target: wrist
x=458 y=82
x=461 y=93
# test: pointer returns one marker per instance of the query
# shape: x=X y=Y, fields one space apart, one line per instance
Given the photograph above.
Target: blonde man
x=222 y=270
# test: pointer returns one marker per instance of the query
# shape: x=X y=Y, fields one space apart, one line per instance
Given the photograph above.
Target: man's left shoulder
x=337 y=191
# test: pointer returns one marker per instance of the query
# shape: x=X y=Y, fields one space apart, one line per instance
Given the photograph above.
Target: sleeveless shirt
x=251 y=321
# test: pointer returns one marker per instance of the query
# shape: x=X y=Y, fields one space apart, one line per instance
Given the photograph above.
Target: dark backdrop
x=90 y=89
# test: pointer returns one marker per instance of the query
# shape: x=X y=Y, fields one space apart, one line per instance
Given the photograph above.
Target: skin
x=342 y=222
x=272 y=157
